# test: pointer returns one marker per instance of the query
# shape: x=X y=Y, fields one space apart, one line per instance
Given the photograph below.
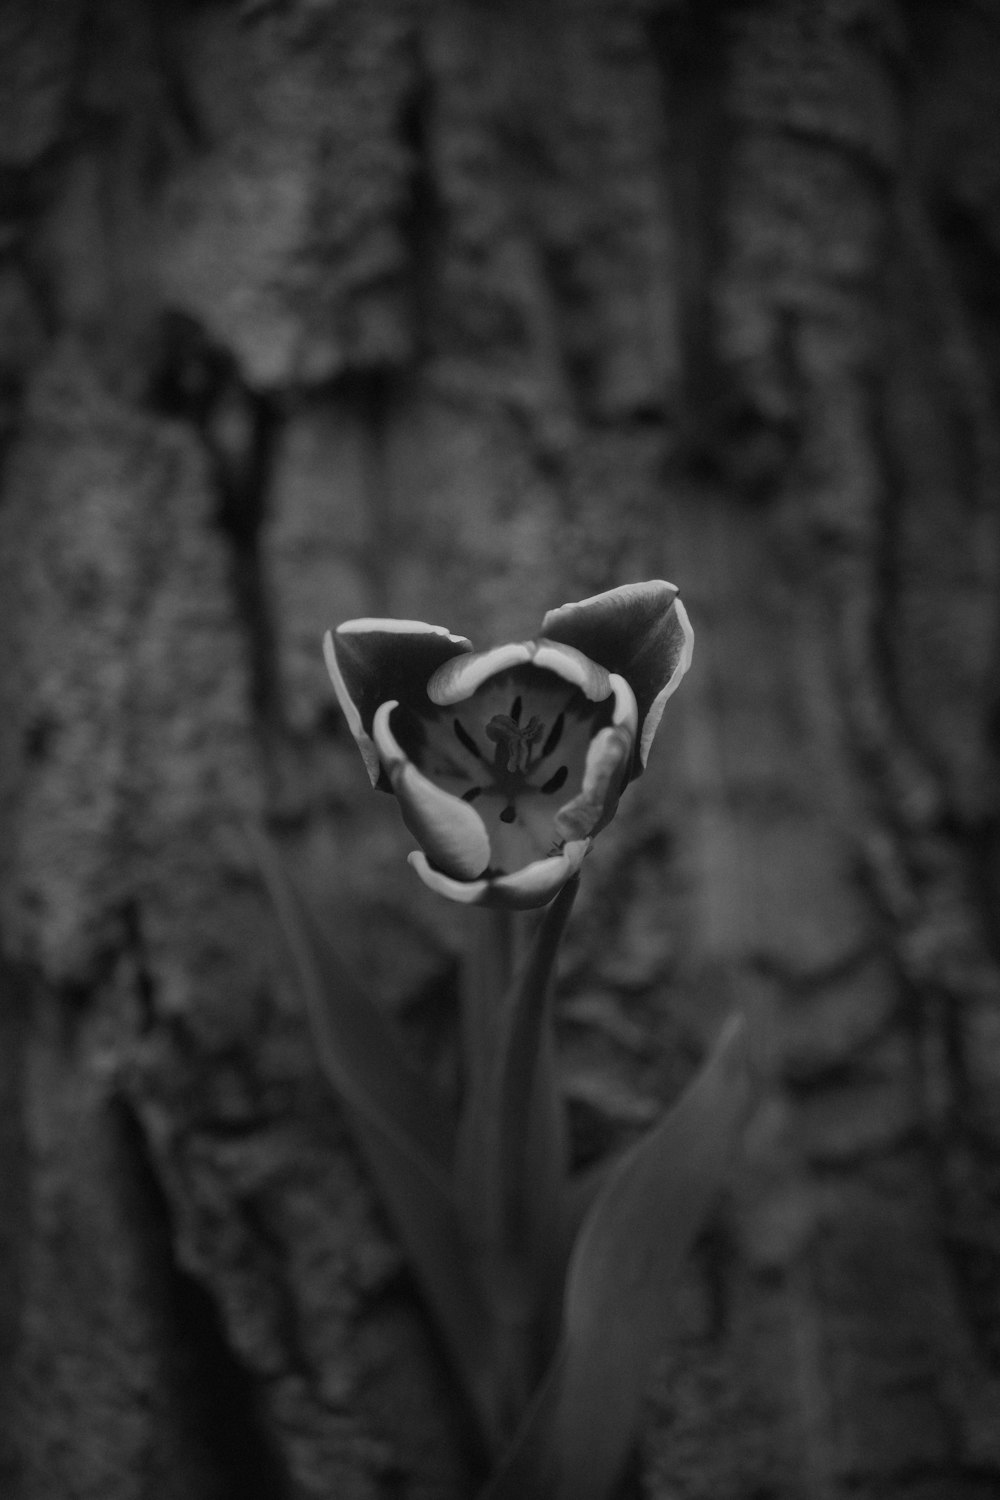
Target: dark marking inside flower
x=509 y=813
x=554 y=736
x=465 y=738
x=472 y=794
x=557 y=780
x=515 y=710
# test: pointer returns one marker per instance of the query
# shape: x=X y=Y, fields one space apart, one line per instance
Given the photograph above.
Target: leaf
x=617 y=1307
x=357 y=1046
x=629 y=1251
x=401 y=1128
x=529 y=1469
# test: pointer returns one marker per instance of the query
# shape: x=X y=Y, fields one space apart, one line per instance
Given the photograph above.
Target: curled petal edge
x=640 y=630
x=452 y=832
x=458 y=679
x=605 y=771
x=654 y=713
x=593 y=680
x=533 y=885
x=371 y=661
x=610 y=616
x=626 y=710
x=348 y=708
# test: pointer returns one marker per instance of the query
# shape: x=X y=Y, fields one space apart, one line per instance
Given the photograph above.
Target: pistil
x=513 y=742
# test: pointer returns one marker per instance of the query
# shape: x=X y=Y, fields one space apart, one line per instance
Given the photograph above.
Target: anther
x=556 y=780
x=465 y=739
x=554 y=736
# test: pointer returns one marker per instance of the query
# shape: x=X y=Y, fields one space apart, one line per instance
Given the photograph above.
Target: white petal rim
x=458 y=679
x=654 y=713
x=534 y=885
x=537 y=883
x=593 y=680
x=372 y=660
x=640 y=630
x=468 y=892
x=607 y=753
x=609 y=756
x=364 y=742
x=389 y=748
x=368 y=625
x=452 y=832
x=626 y=711
x=610 y=598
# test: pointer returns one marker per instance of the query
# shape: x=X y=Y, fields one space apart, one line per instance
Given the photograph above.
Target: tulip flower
x=550 y=1287
x=506 y=763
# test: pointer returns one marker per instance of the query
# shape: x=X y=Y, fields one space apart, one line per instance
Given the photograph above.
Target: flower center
x=520 y=739
x=513 y=742
x=539 y=737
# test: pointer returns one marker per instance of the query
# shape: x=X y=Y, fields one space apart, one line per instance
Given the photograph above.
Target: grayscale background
x=457 y=311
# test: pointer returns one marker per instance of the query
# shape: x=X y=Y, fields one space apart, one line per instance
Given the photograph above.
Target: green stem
x=511 y=1162
x=488 y=971
x=486 y=979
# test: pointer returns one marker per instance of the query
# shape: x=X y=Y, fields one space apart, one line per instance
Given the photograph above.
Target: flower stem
x=511 y=1163
x=489 y=969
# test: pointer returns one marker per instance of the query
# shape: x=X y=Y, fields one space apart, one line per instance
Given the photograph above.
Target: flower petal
x=537 y=883
x=641 y=631
x=469 y=892
x=457 y=680
x=534 y=885
x=371 y=661
x=626 y=710
x=573 y=666
x=452 y=832
x=684 y=640
x=609 y=759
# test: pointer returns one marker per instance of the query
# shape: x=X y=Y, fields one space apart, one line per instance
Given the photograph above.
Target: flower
x=506 y=763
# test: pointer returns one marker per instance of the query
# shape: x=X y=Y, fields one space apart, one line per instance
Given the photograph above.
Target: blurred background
x=458 y=311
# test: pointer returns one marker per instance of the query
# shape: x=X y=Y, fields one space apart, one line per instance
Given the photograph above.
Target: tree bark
x=455 y=312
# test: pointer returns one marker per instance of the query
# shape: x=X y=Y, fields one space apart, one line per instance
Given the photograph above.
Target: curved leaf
x=401 y=1128
x=617 y=1308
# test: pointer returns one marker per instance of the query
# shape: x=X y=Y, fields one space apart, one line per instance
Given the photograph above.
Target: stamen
x=556 y=780
x=554 y=736
x=465 y=739
x=509 y=813
x=513 y=743
x=504 y=733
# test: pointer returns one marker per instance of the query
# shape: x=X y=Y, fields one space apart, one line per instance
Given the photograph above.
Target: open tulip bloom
x=506 y=763
x=550 y=1293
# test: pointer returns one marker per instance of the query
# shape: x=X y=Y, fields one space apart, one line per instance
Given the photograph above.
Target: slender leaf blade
x=401 y=1128
x=629 y=1251
x=617 y=1309
x=357 y=1047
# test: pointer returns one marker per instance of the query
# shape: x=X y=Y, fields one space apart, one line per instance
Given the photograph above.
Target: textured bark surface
x=457 y=312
